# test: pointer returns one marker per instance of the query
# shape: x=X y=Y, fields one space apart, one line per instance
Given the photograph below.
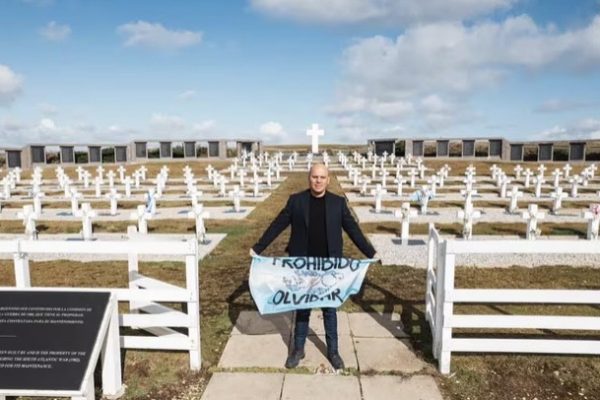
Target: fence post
x=133 y=271
x=22 y=275
x=193 y=306
x=448 y=308
x=112 y=384
x=431 y=249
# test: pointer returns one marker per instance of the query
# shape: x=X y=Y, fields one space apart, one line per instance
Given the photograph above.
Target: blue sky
x=74 y=71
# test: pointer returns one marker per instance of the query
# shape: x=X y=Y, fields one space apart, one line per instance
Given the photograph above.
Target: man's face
x=318 y=180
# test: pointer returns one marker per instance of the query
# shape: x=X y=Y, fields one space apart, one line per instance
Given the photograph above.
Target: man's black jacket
x=295 y=213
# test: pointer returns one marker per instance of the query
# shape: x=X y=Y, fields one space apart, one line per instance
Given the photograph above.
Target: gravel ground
x=63 y=214
x=448 y=215
x=414 y=254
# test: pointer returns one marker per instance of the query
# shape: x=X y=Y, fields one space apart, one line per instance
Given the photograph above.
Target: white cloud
x=389 y=12
x=451 y=60
x=48 y=109
x=11 y=85
x=272 y=132
x=167 y=123
x=557 y=105
x=187 y=95
x=154 y=35
x=588 y=128
x=204 y=126
x=55 y=32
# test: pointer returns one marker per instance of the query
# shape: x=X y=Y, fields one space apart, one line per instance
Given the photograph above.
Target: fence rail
x=441 y=296
x=143 y=294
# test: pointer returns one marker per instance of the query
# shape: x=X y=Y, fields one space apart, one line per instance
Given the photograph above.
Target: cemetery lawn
x=224 y=294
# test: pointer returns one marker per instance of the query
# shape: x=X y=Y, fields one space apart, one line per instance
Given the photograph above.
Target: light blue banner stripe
x=281 y=284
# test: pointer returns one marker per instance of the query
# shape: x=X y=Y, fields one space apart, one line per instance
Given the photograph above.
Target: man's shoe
x=294 y=359
x=336 y=361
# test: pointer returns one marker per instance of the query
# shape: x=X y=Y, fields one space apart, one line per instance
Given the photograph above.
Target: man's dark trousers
x=330 y=323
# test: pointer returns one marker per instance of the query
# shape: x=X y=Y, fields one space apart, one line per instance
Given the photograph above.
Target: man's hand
x=253 y=253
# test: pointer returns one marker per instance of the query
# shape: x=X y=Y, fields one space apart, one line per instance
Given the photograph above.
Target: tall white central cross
x=315 y=132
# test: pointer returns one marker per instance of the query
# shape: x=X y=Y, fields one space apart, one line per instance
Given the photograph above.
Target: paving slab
x=316 y=352
x=243 y=386
x=376 y=325
x=316 y=326
x=262 y=351
x=330 y=387
x=252 y=323
x=386 y=354
x=385 y=387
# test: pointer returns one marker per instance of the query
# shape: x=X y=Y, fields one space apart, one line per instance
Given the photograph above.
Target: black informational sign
x=47 y=338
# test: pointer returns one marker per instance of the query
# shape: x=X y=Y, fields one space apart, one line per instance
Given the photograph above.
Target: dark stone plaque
x=47 y=338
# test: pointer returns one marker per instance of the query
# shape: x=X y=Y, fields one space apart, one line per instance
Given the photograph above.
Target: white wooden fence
x=144 y=294
x=441 y=295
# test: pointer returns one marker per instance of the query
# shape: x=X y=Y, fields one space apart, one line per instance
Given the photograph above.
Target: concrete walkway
x=380 y=364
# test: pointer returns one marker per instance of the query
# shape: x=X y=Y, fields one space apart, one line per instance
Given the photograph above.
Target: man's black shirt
x=317 y=231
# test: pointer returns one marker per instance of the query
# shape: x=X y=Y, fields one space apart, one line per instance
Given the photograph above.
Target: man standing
x=317 y=218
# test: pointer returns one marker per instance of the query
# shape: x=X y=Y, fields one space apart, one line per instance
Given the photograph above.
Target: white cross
x=29 y=217
x=433 y=181
x=199 y=214
x=151 y=201
x=86 y=179
x=425 y=196
x=74 y=201
x=142 y=217
x=567 y=168
x=67 y=186
x=37 y=202
x=241 y=174
x=556 y=174
x=384 y=174
x=137 y=176
x=315 y=132
x=541 y=169
x=503 y=184
x=236 y=194
x=127 y=182
x=532 y=216
x=574 y=181
x=421 y=169
x=256 y=190
x=399 y=181
x=113 y=196
x=121 y=170
x=514 y=195
x=268 y=175
x=494 y=169
x=378 y=192
x=209 y=170
x=86 y=213
x=79 y=173
x=100 y=171
x=557 y=195
x=222 y=188
x=412 y=173
x=467 y=217
x=17 y=171
x=469 y=181
x=98 y=183
x=143 y=171
x=528 y=175
x=194 y=194
x=468 y=195
x=593 y=217
x=111 y=178
x=539 y=181
x=592 y=169
x=404 y=214
x=364 y=181
x=518 y=169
